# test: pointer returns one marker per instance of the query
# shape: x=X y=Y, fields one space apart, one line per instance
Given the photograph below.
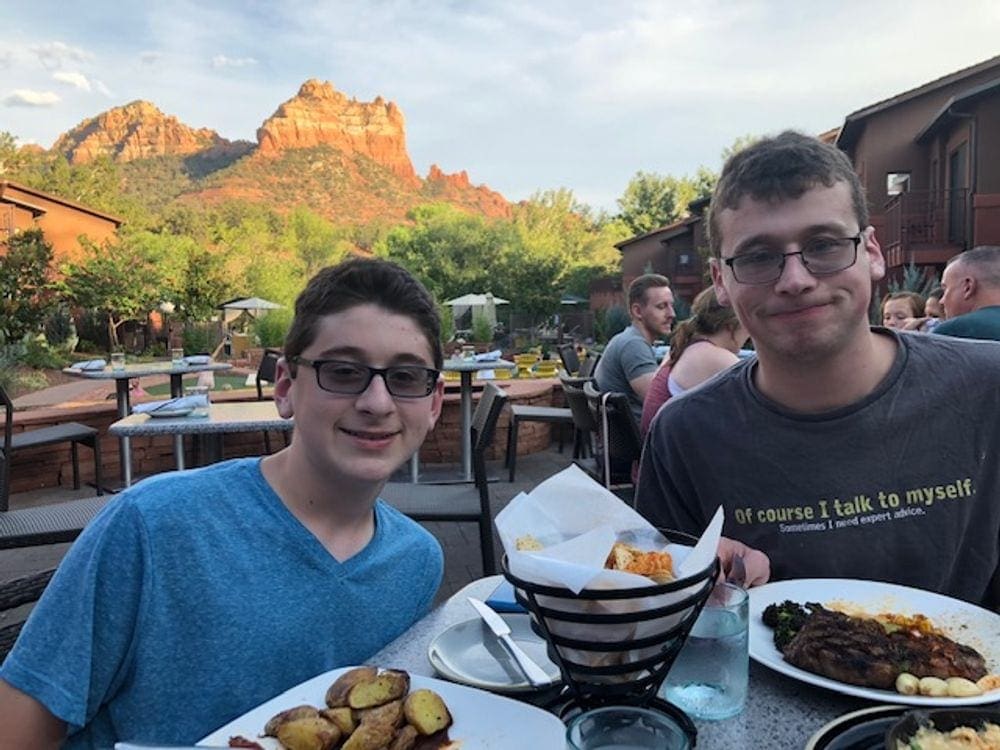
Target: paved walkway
x=67 y=394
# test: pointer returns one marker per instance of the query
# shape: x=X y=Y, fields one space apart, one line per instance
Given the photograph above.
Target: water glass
x=117 y=360
x=177 y=357
x=709 y=678
x=624 y=728
x=203 y=393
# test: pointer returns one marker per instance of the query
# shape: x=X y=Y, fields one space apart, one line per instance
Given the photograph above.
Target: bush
x=60 y=331
x=197 y=339
x=481 y=328
x=39 y=356
x=270 y=329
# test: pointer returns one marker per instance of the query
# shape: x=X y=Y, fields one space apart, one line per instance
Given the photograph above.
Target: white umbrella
x=475 y=300
x=250 y=303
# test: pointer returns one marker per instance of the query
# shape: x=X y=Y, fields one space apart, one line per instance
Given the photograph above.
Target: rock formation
x=456 y=187
x=135 y=131
x=321 y=115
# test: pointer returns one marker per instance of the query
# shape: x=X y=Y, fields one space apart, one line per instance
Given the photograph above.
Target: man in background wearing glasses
x=197 y=595
x=816 y=448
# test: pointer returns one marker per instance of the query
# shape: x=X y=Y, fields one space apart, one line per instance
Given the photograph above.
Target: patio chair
x=267 y=372
x=619 y=440
x=73 y=433
x=556 y=415
x=584 y=425
x=589 y=365
x=13 y=594
x=461 y=503
x=570 y=360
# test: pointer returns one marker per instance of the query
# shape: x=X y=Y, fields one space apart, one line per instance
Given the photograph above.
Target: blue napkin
x=184 y=402
x=198 y=359
x=502 y=598
x=492 y=356
x=90 y=364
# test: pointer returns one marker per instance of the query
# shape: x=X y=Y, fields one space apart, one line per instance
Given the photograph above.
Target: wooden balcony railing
x=921 y=219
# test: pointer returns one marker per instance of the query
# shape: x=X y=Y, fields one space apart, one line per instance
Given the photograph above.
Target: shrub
x=270 y=329
x=482 y=330
x=196 y=339
x=60 y=331
x=39 y=356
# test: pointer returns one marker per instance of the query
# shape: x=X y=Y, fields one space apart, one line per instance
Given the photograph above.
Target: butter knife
x=535 y=674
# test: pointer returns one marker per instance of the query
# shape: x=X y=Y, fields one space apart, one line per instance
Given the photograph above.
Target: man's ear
x=715 y=266
x=876 y=259
x=283 y=391
x=969 y=287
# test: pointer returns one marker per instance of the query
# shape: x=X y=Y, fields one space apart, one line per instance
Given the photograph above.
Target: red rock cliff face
x=321 y=115
x=456 y=187
x=135 y=131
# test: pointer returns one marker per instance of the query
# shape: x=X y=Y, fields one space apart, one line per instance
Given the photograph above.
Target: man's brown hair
x=779 y=169
x=637 y=289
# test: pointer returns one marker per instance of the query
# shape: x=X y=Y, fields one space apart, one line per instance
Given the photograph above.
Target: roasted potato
x=426 y=712
x=336 y=694
x=390 y=714
x=342 y=716
x=308 y=733
x=370 y=737
x=387 y=686
x=405 y=739
x=291 y=714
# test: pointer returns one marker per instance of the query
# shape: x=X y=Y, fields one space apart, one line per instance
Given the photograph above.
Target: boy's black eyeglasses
x=821 y=256
x=352 y=378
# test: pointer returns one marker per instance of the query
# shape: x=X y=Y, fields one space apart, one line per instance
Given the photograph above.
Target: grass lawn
x=222 y=383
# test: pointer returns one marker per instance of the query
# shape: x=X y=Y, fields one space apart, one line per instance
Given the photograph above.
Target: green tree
x=121 y=280
x=314 y=240
x=651 y=200
x=26 y=291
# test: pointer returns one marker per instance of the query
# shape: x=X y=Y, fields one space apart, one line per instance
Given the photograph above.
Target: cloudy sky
x=523 y=94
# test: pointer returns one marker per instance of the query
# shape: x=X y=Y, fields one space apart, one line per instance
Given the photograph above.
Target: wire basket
x=615 y=647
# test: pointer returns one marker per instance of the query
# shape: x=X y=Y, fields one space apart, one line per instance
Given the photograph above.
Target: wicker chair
x=619 y=440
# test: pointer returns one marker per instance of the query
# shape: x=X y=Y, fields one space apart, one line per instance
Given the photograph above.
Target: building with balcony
x=929 y=159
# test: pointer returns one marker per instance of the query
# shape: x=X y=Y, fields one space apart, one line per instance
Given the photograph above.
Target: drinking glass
x=117 y=360
x=176 y=357
x=708 y=680
x=624 y=728
x=203 y=392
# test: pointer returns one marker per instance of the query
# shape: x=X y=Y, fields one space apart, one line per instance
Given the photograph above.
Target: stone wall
x=51 y=466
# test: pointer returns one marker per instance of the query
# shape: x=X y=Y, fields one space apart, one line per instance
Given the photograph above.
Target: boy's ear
x=283 y=391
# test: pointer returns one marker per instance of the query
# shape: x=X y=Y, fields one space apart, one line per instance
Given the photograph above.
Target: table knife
x=535 y=674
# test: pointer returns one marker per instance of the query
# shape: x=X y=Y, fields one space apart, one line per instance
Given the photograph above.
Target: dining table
x=467 y=368
x=122 y=376
x=223 y=417
x=780 y=712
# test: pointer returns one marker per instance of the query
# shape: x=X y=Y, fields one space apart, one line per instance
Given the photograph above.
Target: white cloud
x=73 y=78
x=102 y=88
x=221 y=61
x=30 y=98
x=54 y=54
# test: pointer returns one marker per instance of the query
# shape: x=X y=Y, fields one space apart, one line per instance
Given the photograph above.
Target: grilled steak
x=860 y=651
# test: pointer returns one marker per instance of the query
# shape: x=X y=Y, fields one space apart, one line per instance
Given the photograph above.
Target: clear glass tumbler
x=117 y=360
x=624 y=728
x=177 y=357
x=201 y=394
x=708 y=680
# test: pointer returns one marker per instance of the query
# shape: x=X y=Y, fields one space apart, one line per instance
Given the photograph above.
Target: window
x=897 y=182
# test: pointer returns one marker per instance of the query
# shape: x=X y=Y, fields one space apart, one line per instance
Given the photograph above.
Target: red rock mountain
x=321 y=115
x=136 y=131
x=343 y=158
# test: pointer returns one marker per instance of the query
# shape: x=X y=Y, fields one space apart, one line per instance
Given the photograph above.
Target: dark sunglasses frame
x=385 y=373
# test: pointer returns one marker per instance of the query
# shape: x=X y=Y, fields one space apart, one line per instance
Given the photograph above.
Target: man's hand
x=755 y=563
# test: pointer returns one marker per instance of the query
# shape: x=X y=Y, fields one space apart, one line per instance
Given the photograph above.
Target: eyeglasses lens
x=350 y=379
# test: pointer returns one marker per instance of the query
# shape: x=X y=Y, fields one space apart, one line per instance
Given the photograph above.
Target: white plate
x=483 y=721
x=961 y=621
x=169 y=413
x=470 y=653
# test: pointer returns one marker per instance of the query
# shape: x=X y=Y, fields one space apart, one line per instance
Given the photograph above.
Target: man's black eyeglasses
x=352 y=378
x=821 y=256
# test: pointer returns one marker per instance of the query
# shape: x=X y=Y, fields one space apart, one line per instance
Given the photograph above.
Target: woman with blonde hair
x=701 y=346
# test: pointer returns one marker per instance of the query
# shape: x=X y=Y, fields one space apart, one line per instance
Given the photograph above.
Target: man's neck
x=813 y=387
x=643 y=331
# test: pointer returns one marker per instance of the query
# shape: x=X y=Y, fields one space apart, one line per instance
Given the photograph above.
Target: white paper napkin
x=184 y=402
x=90 y=364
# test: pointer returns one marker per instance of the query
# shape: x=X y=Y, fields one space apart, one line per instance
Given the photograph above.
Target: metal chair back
x=570 y=360
x=618 y=435
x=589 y=365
